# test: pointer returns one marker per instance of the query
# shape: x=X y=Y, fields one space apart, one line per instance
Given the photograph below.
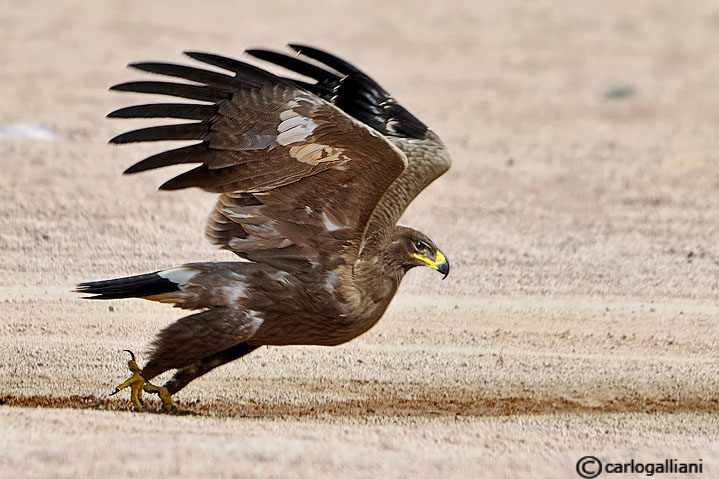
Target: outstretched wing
x=358 y=95
x=298 y=178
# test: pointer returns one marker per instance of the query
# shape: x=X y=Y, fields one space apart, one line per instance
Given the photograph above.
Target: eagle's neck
x=377 y=272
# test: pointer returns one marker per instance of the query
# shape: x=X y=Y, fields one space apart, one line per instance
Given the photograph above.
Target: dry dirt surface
x=580 y=217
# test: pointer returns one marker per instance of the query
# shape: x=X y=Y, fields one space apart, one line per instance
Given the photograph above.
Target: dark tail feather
x=130 y=287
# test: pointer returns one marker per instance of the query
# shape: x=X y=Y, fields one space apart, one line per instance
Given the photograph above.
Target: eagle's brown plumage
x=361 y=97
x=312 y=178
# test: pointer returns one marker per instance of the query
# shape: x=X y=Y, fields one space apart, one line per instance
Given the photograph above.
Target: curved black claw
x=135 y=383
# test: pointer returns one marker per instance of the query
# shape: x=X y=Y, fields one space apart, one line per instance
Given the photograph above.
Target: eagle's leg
x=135 y=383
x=164 y=394
x=184 y=376
x=194 y=345
x=189 y=373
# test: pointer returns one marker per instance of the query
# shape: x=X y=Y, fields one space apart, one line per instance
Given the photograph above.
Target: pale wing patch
x=315 y=153
x=236 y=215
x=332 y=281
x=253 y=323
x=287 y=114
x=233 y=293
x=266 y=229
x=294 y=127
x=255 y=318
x=248 y=214
x=179 y=275
x=282 y=277
x=331 y=223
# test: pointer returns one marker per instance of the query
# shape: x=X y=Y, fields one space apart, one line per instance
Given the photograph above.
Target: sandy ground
x=580 y=317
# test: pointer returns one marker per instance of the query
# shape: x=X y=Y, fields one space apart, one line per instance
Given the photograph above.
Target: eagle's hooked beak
x=440 y=263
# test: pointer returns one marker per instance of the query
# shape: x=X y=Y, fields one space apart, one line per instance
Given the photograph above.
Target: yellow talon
x=135 y=383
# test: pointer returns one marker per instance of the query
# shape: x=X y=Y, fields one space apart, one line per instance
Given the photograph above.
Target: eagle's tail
x=130 y=287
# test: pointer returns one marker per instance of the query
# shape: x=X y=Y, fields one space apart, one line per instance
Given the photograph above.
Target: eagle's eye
x=420 y=246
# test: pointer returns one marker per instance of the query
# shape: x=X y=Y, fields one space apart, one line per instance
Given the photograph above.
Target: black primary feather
x=196 y=75
x=186 y=111
x=354 y=92
x=328 y=59
x=292 y=63
x=180 y=90
x=185 y=131
x=187 y=154
x=249 y=75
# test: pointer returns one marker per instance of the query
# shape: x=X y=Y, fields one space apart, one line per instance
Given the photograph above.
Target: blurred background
x=580 y=218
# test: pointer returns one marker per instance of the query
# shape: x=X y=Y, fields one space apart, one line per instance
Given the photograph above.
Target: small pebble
x=620 y=91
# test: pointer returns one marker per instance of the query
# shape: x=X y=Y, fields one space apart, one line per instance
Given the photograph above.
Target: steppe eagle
x=312 y=177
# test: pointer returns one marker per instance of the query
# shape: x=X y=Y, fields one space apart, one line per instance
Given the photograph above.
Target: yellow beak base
x=440 y=263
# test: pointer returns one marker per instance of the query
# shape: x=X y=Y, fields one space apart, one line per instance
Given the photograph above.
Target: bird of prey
x=312 y=177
